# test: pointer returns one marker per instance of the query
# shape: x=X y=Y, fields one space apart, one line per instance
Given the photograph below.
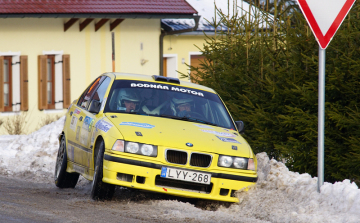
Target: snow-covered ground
x=279 y=196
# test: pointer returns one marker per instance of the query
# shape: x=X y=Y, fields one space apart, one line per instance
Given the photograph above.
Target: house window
x=7 y=84
x=50 y=85
x=13 y=82
x=54 y=81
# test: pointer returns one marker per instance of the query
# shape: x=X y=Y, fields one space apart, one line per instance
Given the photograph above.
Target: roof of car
x=141 y=77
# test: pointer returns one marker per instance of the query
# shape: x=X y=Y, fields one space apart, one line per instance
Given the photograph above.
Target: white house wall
x=90 y=52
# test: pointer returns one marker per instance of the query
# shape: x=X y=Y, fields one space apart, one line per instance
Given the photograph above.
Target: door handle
x=81 y=118
x=71 y=113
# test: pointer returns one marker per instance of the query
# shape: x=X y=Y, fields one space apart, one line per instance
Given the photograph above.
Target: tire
x=64 y=179
x=99 y=189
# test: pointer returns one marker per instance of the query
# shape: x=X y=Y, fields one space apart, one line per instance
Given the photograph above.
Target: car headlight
x=132 y=147
x=147 y=150
x=240 y=163
x=236 y=162
x=135 y=148
x=225 y=161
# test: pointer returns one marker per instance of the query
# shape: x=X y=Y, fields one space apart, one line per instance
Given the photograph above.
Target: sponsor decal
x=204 y=126
x=103 y=104
x=138 y=124
x=164 y=87
x=73 y=123
x=77 y=111
x=91 y=124
x=228 y=140
x=223 y=134
x=103 y=126
x=88 y=123
x=77 y=133
x=84 y=136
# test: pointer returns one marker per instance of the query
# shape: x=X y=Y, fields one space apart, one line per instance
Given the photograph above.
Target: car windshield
x=168 y=101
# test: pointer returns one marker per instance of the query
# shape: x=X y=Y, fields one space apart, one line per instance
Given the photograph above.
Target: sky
x=279 y=195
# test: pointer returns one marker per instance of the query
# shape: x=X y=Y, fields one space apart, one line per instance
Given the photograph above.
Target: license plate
x=185 y=175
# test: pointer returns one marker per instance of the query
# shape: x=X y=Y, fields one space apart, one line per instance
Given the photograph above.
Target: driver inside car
x=128 y=100
x=182 y=106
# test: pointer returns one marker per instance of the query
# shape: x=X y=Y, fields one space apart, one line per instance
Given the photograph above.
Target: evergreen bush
x=265 y=68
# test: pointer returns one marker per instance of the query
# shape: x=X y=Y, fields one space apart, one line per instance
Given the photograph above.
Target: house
x=51 y=50
x=182 y=39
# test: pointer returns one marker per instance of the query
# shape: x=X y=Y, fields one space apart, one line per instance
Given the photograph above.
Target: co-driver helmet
x=127 y=95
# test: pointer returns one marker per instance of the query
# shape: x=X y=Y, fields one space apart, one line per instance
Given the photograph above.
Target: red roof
x=95 y=6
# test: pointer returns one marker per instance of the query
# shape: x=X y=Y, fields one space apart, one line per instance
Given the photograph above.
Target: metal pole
x=321 y=118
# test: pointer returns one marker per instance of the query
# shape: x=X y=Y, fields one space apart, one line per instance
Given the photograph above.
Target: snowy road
x=24 y=201
x=279 y=196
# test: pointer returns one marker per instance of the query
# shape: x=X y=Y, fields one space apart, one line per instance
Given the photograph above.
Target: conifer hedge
x=265 y=68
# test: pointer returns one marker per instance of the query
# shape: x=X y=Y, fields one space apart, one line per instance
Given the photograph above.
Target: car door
x=80 y=150
x=86 y=126
x=71 y=130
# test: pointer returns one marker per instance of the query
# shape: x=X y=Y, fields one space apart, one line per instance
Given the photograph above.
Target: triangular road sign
x=325 y=17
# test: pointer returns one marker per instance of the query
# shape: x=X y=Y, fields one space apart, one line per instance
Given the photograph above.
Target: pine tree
x=266 y=71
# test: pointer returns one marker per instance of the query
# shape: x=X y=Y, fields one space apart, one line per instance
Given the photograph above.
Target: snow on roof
x=206 y=9
x=279 y=195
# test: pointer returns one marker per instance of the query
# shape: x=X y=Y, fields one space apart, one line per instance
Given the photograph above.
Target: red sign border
x=325 y=40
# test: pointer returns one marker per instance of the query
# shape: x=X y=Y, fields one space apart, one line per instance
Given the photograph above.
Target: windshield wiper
x=188 y=119
x=200 y=121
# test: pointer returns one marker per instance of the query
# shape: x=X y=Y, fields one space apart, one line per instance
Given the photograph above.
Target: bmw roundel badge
x=189 y=144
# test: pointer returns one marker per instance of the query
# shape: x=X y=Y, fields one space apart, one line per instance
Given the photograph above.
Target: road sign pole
x=324 y=17
x=321 y=117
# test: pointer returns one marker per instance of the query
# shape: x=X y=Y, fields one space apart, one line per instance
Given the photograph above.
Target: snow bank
x=31 y=156
x=284 y=196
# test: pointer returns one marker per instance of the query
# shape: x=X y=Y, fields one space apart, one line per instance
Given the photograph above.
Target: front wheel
x=99 y=189
x=64 y=179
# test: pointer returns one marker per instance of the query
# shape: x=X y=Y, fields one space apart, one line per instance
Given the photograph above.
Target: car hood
x=172 y=133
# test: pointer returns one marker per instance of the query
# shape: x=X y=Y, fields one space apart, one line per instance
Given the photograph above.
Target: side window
x=100 y=92
x=85 y=98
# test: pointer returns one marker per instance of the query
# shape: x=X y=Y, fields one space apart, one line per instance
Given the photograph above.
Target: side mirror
x=94 y=106
x=240 y=126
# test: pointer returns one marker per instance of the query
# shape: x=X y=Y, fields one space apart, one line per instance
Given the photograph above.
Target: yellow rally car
x=154 y=133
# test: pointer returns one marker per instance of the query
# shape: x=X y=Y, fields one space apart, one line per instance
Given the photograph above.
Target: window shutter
x=66 y=81
x=1 y=83
x=42 y=80
x=24 y=99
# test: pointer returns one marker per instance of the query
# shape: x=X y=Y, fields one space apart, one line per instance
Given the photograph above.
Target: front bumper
x=146 y=176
